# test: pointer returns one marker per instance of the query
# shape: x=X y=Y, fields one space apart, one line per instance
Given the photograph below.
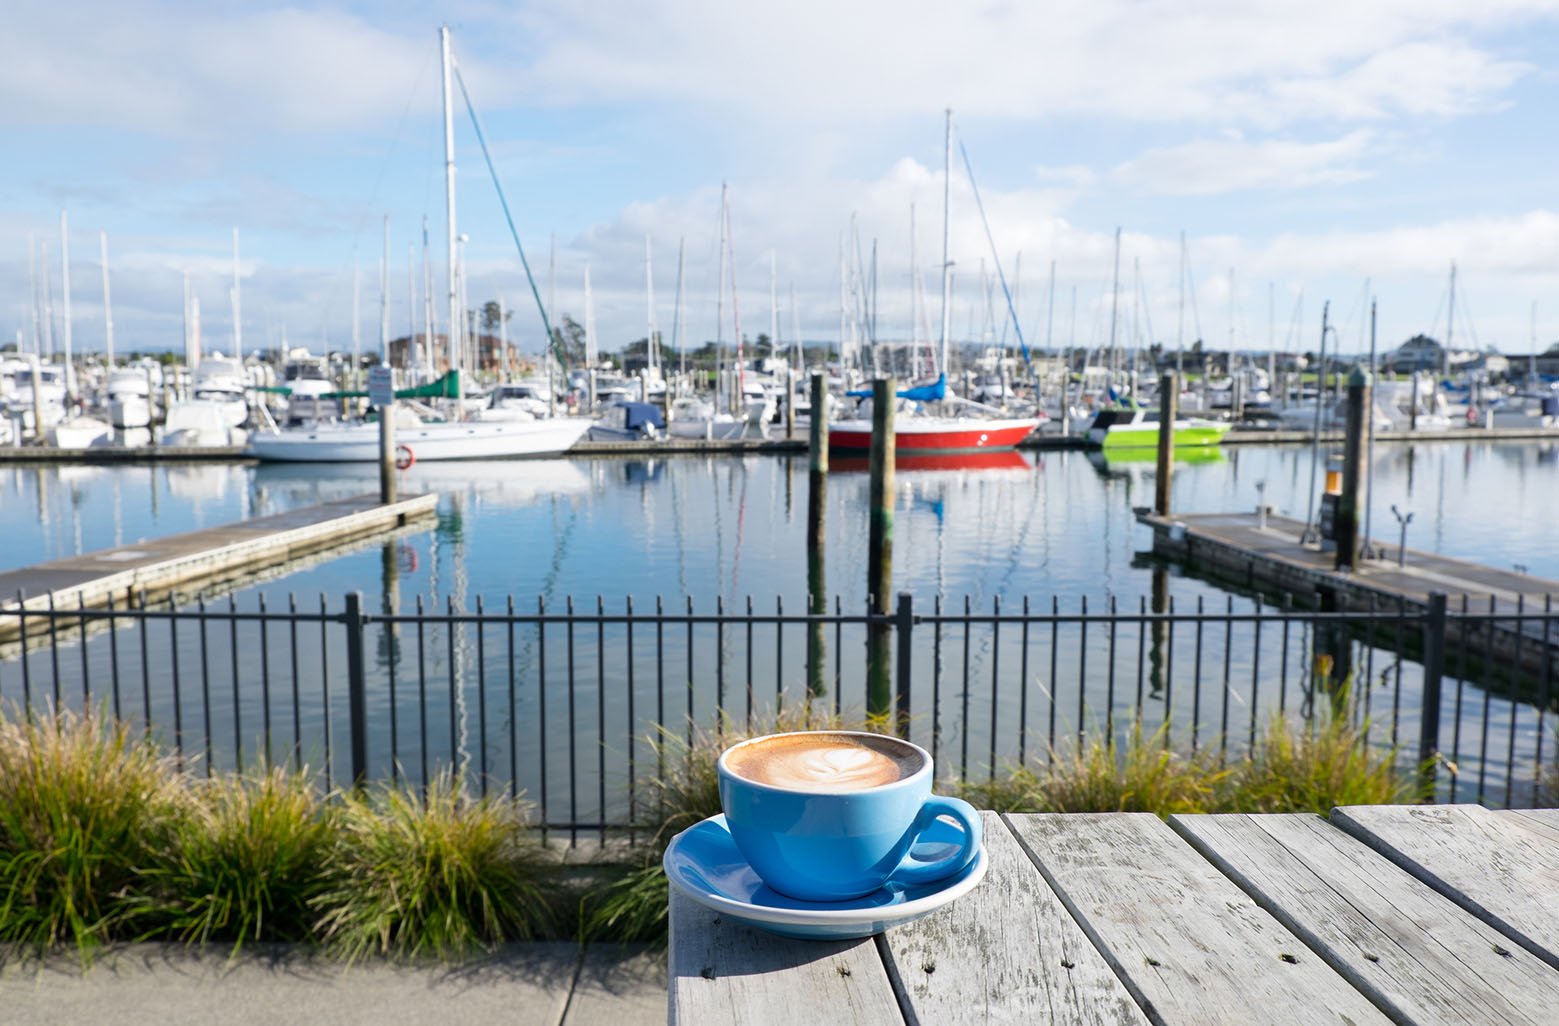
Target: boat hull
x=1139 y=436
x=913 y=436
x=466 y=440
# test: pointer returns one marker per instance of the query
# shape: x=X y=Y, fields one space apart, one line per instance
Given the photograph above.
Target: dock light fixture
x=1403 y=520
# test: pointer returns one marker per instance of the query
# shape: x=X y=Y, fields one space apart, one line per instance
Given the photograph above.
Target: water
x=1049 y=527
x=1051 y=524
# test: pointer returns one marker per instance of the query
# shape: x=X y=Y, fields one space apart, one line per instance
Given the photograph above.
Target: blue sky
x=1304 y=147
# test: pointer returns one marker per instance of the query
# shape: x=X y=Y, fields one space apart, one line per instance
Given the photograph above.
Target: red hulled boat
x=918 y=435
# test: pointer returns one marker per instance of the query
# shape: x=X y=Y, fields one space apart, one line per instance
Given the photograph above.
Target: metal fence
x=565 y=705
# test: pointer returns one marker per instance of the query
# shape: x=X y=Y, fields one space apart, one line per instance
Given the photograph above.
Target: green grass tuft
x=246 y=860
x=1140 y=774
x=436 y=874
x=83 y=807
x=1315 y=768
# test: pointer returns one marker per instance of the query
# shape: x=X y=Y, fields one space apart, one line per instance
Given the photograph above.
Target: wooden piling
x=387 y=454
x=879 y=566
x=817 y=506
x=1352 y=500
x=790 y=405
x=1169 y=406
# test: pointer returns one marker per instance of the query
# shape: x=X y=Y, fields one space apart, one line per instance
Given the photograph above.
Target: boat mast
x=238 y=321
x=1115 y=298
x=649 y=303
x=108 y=304
x=1445 y=354
x=65 y=295
x=34 y=294
x=795 y=335
x=427 y=302
x=947 y=267
x=678 y=321
x=48 y=299
x=720 y=311
x=591 y=352
x=449 y=208
x=384 y=299
x=914 y=300
x=357 y=316
x=738 y=398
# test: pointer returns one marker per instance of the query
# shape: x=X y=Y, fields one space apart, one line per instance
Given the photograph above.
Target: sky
x=1312 y=152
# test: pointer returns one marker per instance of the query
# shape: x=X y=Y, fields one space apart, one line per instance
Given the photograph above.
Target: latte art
x=823 y=762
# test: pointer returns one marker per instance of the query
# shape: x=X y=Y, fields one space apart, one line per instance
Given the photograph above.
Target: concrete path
x=166 y=985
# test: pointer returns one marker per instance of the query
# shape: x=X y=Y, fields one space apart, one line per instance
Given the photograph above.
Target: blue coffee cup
x=833 y=845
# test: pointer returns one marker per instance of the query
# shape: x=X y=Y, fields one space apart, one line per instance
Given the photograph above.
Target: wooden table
x=1408 y=914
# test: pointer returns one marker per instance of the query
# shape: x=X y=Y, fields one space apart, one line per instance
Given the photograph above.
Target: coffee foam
x=823 y=762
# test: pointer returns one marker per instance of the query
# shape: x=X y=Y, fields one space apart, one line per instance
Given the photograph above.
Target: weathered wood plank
x=1007 y=952
x=1502 y=869
x=1544 y=819
x=723 y=973
x=1419 y=957
x=1190 y=945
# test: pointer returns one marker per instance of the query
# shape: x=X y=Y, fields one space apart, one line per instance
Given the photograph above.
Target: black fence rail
x=574 y=706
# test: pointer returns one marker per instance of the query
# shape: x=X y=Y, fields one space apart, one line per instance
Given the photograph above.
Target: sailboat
x=430 y=440
x=920 y=432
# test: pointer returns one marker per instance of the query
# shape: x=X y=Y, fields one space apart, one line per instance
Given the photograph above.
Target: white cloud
x=1221 y=62
x=1206 y=167
x=177 y=72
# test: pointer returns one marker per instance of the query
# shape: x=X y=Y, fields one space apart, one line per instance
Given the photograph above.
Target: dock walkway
x=1276 y=558
x=156 y=566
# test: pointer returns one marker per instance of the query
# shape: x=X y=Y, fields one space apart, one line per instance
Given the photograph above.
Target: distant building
x=1548 y=361
x=1419 y=353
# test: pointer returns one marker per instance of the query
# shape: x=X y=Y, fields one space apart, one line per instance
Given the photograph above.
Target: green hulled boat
x=1139 y=428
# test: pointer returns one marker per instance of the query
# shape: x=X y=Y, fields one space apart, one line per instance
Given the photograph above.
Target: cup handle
x=914 y=871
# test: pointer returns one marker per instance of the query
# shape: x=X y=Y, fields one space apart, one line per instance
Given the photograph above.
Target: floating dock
x=1276 y=558
x=774 y=445
x=159 y=566
x=126 y=454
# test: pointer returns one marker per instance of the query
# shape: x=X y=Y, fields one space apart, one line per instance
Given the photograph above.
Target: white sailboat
x=430 y=440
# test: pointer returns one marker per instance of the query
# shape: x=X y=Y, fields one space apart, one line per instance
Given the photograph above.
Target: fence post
x=1434 y=669
x=904 y=627
x=356 y=688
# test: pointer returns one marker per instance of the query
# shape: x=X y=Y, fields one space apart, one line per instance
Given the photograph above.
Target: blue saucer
x=703 y=864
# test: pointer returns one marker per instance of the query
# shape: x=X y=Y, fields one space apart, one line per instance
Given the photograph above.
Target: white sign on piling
x=381 y=386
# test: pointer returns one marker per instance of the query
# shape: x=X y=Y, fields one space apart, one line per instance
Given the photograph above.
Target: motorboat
x=200 y=423
x=518 y=400
x=693 y=417
x=129 y=391
x=629 y=422
x=1139 y=427
x=307 y=381
x=80 y=432
x=221 y=381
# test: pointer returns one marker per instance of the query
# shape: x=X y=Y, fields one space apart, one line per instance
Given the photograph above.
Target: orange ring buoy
x=405 y=459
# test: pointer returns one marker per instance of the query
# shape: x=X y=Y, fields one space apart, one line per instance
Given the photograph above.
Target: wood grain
x=1502 y=868
x=1190 y=945
x=1007 y=952
x=723 y=973
x=1419 y=957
